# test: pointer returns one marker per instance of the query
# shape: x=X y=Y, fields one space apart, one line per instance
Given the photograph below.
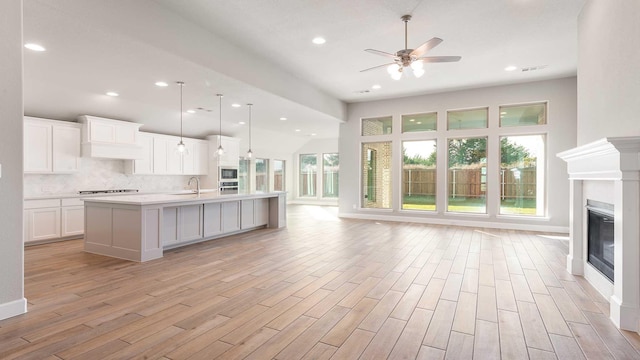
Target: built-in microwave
x=228 y=173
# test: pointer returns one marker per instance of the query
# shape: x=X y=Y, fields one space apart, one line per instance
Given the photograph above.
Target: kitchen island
x=140 y=227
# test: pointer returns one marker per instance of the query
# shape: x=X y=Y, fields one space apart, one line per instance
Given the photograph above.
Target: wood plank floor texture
x=322 y=288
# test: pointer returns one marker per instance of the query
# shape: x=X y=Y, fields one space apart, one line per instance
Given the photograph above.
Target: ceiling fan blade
x=422 y=49
x=436 y=59
x=381 y=53
x=375 y=67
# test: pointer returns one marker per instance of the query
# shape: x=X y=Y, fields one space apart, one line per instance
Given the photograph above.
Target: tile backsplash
x=100 y=174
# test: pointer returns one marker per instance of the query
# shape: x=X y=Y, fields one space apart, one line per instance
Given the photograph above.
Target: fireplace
x=607 y=170
x=600 y=240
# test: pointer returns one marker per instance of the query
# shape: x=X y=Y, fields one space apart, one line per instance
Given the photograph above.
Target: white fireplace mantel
x=616 y=160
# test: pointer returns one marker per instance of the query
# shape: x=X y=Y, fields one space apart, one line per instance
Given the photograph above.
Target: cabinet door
x=144 y=165
x=231 y=156
x=160 y=156
x=189 y=158
x=202 y=160
x=72 y=220
x=230 y=216
x=247 y=219
x=170 y=221
x=212 y=219
x=190 y=222
x=174 y=158
x=44 y=224
x=37 y=148
x=66 y=149
x=261 y=212
x=126 y=135
x=100 y=131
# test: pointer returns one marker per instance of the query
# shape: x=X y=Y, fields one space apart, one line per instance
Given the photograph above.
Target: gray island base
x=140 y=227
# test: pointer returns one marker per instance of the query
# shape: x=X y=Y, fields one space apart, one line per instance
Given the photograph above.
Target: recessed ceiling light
x=376 y=87
x=297 y=130
x=283 y=118
x=241 y=122
x=112 y=93
x=318 y=40
x=236 y=105
x=313 y=134
x=511 y=68
x=34 y=47
x=161 y=84
x=191 y=111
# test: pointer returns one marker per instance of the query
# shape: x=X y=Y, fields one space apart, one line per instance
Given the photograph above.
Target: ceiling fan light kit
x=412 y=58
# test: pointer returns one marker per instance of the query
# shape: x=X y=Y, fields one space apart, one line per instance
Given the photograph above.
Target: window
x=523 y=115
x=262 y=178
x=376 y=175
x=522 y=175
x=243 y=176
x=278 y=175
x=308 y=168
x=467 y=175
x=467 y=119
x=419 y=175
x=330 y=167
x=419 y=122
x=376 y=126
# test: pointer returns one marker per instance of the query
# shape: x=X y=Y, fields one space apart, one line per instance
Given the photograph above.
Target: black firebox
x=600 y=241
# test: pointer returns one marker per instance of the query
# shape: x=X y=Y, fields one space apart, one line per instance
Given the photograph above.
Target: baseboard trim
x=458 y=222
x=13 y=308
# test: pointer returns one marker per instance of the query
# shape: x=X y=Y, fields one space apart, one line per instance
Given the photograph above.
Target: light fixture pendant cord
x=220 y=125
x=250 y=105
x=181 y=86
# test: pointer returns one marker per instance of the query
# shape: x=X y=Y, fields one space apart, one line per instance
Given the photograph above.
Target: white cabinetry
x=230 y=216
x=111 y=139
x=255 y=212
x=51 y=146
x=49 y=219
x=159 y=156
x=212 y=219
x=231 y=155
x=182 y=224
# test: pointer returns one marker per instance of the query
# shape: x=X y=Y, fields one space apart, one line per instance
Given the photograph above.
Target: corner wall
x=608 y=74
x=561 y=130
x=12 y=301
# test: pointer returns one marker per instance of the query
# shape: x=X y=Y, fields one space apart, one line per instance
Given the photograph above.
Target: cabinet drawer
x=72 y=202
x=44 y=203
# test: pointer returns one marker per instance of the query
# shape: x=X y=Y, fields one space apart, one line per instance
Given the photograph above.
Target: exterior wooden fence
x=471 y=182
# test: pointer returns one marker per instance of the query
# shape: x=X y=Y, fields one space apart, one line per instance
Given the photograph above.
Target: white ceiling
x=260 y=51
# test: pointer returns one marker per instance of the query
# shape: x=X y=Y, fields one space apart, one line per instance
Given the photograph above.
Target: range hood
x=110 y=139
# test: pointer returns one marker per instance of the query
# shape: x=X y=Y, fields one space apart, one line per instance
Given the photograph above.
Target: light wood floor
x=321 y=288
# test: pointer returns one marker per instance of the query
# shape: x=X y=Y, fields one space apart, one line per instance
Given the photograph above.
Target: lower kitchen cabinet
x=49 y=219
x=255 y=212
x=182 y=224
x=212 y=219
x=230 y=216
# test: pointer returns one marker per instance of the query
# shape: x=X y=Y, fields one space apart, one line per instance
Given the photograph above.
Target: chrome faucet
x=197 y=184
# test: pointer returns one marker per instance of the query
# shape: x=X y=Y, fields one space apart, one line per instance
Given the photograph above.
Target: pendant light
x=181 y=148
x=249 y=153
x=220 y=150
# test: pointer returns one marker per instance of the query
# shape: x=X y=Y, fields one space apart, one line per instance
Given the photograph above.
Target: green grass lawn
x=471 y=205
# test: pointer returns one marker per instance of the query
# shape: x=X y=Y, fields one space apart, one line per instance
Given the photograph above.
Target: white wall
x=12 y=300
x=608 y=74
x=561 y=130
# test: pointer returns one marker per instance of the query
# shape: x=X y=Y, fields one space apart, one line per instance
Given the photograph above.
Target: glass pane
x=330 y=169
x=523 y=115
x=376 y=175
x=522 y=175
x=308 y=166
x=278 y=175
x=419 y=122
x=419 y=175
x=262 y=171
x=467 y=119
x=376 y=126
x=243 y=176
x=467 y=175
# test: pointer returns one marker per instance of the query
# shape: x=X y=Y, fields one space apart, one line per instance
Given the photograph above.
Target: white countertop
x=178 y=198
x=82 y=196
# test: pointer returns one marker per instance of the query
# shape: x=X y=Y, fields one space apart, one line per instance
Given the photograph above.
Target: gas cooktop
x=85 y=192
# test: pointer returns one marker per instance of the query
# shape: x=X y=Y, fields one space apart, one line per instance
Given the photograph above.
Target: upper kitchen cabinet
x=111 y=139
x=51 y=147
x=160 y=156
x=231 y=150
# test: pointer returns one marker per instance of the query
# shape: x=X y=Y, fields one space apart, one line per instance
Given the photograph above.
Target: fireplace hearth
x=600 y=237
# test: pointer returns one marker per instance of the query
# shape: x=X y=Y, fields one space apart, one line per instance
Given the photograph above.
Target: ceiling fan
x=410 y=57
